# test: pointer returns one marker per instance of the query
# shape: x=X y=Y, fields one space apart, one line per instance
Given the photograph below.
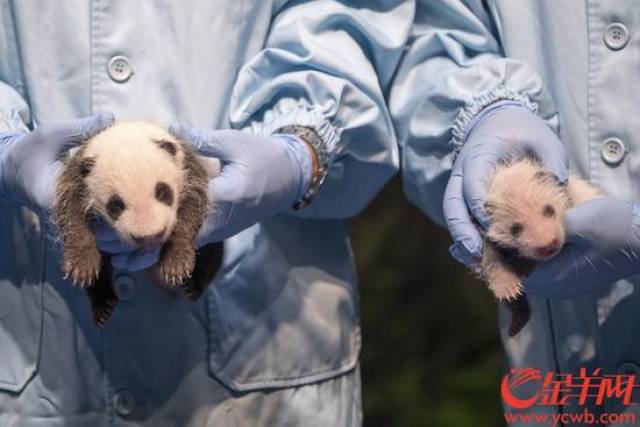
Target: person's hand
x=603 y=245
x=501 y=133
x=260 y=176
x=30 y=163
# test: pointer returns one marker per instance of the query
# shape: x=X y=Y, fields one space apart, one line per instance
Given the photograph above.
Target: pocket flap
x=279 y=320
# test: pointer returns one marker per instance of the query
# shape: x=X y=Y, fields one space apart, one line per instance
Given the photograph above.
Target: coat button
x=124 y=402
x=612 y=151
x=119 y=69
x=616 y=36
x=125 y=287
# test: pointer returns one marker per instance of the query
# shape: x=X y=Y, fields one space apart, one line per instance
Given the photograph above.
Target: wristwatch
x=310 y=136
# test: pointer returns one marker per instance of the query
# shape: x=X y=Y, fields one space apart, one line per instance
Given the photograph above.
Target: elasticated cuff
x=479 y=104
x=291 y=112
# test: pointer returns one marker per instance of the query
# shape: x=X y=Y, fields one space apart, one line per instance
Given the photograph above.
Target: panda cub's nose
x=149 y=239
x=550 y=249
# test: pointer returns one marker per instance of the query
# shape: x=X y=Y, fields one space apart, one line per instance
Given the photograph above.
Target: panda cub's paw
x=82 y=266
x=505 y=284
x=177 y=263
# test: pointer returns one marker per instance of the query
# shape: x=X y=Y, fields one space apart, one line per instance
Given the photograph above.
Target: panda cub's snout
x=145 y=217
x=164 y=195
x=151 y=221
x=149 y=240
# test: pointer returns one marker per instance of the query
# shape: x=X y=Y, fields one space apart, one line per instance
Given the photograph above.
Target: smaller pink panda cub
x=526 y=207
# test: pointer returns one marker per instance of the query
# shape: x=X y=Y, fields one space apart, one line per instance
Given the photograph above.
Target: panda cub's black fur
x=153 y=190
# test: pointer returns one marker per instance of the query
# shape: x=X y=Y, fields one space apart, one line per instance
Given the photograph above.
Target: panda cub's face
x=526 y=205
x=134 y=178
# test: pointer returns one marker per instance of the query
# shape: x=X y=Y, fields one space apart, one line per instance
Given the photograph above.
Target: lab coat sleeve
x=453 y=68
x=14 y=112
x=326 y=65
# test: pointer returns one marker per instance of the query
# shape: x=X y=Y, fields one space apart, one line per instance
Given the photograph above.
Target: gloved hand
x=260 y=176
x=30 y=163
x=502 y=132
x=603 y=245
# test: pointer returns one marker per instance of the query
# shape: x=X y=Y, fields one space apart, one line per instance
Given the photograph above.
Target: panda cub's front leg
x=82 y=259
x=177 y=258
x=504 y=283
x=178 y=255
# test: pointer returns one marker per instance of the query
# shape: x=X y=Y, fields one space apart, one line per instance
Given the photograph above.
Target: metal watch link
x=310 y=136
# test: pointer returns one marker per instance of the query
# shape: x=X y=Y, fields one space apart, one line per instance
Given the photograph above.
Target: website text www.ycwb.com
x=582 y=418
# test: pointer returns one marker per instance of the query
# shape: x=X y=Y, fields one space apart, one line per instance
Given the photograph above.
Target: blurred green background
x=431 y=353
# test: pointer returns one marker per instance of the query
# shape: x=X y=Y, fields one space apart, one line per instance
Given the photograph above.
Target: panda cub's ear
x=490 y=207
x=545 y=176
x=168 y=146
x=86 y=165
x=542 y=175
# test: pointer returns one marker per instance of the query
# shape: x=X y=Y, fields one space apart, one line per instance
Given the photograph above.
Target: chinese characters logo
x=562 y=389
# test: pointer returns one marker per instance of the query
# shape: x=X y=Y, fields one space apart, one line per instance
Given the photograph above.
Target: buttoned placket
x=110 y=67
x=611 y=41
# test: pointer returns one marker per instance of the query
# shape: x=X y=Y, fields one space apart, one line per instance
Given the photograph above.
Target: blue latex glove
x=30 y=163
x=261 y=176
x=603 y=245
x=502 y=132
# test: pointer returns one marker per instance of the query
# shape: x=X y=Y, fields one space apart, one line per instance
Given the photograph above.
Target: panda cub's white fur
x=526 y=206
x=152 y=189
x=130 y=166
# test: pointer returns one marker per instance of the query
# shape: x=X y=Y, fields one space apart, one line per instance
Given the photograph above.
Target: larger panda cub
x=153 y=190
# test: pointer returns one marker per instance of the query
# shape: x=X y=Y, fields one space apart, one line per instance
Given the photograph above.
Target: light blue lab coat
x=579 y=62
x=275 y=340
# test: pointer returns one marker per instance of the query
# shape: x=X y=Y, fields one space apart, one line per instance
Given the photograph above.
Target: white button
x=616 y=36
x=124 y=402
x=612 y=151
x=119 y=69
x=125 y=287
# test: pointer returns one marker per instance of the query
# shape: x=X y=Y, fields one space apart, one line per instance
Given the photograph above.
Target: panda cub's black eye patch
x=516 y=229
x=164 y=193
x=115 y=207
x=168 y=146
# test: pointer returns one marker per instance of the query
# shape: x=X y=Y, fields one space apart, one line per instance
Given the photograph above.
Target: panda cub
x=153 y=190
x=526 y=207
